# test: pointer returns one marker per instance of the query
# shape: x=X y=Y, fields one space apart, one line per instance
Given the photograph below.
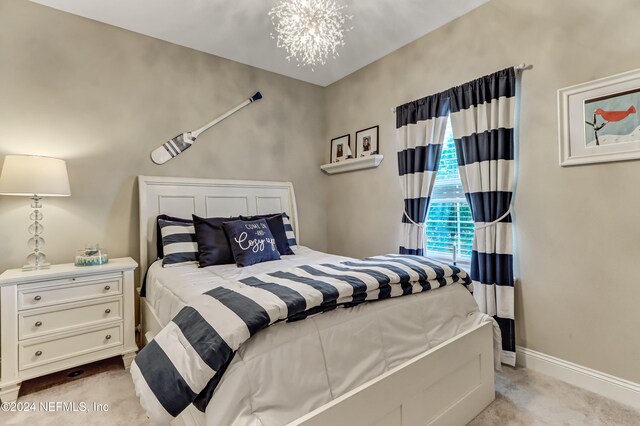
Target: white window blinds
x=449 y=221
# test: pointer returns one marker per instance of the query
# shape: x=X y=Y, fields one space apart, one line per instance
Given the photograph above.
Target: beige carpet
x=522 y=398
x=105 y=383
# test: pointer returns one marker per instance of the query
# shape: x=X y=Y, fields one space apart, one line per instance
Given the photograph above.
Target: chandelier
x=309 y=30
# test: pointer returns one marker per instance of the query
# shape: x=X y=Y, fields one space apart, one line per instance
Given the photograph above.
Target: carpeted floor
x=522 y=398
x=104 y=387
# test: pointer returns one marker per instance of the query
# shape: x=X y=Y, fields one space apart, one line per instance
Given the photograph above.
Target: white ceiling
x=240 y=29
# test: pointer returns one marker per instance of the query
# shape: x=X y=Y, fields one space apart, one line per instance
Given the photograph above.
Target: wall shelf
x=352 y=165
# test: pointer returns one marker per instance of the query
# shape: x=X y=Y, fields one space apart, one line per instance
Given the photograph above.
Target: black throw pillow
x=213 y=244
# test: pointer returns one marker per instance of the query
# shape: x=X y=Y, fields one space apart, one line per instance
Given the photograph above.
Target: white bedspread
x=289 y=369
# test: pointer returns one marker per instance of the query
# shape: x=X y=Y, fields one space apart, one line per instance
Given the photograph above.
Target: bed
x=372 y=364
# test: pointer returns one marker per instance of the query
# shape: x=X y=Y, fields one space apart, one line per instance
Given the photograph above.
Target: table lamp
x=35 y=177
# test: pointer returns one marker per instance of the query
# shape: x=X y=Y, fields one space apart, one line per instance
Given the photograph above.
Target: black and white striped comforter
x=187 y=358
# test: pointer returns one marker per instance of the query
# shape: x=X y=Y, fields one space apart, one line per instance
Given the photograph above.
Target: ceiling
x=240 y=29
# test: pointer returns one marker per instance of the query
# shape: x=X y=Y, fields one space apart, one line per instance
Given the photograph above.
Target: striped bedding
x=291 y=237
x=188 y=357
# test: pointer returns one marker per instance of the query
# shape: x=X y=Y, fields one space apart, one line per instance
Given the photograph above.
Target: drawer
x=32 y=354
x=67 y=290
x=39 y=322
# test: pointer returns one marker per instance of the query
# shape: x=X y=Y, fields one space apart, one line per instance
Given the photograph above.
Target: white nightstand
x=62 y=317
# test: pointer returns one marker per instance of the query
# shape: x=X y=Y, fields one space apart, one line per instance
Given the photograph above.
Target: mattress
x=290 y=369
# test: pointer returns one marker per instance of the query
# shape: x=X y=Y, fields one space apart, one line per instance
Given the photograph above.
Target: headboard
x=182 y=197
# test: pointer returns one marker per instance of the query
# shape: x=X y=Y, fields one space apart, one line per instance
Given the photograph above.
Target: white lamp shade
x=30 y=175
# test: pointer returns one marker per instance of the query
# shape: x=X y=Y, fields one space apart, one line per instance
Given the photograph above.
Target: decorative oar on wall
x=180 y=143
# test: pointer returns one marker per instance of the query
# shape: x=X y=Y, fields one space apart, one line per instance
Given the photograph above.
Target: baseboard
x=609 y=386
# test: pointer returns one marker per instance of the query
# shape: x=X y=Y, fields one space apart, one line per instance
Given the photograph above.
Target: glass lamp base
x=35 y=261
x=36 y=267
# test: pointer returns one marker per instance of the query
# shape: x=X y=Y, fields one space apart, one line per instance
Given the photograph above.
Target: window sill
x=461 y=263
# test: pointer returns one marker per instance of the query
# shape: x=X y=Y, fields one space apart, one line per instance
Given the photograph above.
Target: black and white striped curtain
x=420 y=131
x=482 y=120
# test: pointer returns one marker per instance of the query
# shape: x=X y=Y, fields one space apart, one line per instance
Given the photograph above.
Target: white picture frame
x=575 y=120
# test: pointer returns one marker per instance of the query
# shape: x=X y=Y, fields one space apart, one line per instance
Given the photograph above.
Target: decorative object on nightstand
x=63 y=317
x=35 y=177
x=91 y=255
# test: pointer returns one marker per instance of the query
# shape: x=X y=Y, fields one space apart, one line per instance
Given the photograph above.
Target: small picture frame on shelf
x=367 y=142
x=340 y=149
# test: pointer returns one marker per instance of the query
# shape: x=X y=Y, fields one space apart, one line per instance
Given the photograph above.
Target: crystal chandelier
x=309 y=30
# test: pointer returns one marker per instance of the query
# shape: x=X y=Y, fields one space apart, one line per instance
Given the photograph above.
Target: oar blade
x=172 y=148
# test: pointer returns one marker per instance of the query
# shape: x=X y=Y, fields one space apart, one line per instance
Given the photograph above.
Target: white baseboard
x=609 y=386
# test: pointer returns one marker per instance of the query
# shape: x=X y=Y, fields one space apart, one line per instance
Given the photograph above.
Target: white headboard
x=182 y=197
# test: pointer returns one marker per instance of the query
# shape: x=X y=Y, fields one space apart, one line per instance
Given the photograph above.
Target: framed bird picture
x=599 y=121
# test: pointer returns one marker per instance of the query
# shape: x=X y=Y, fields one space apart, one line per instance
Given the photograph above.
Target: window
x=449 y=219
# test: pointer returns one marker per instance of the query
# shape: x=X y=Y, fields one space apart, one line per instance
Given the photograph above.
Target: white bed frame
x=446 y=385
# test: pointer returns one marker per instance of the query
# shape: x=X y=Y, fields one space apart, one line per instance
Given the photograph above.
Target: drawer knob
x=108 y=336
x=38 y=353
x=107 y=311
x=37 y=298
x=38 y=323
x=107 y=287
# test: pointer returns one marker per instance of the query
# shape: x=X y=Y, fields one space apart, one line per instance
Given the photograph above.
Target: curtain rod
x=519 y=67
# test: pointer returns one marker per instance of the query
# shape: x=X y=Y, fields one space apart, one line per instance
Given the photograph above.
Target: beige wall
x=103 y=98
x=577 y=228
